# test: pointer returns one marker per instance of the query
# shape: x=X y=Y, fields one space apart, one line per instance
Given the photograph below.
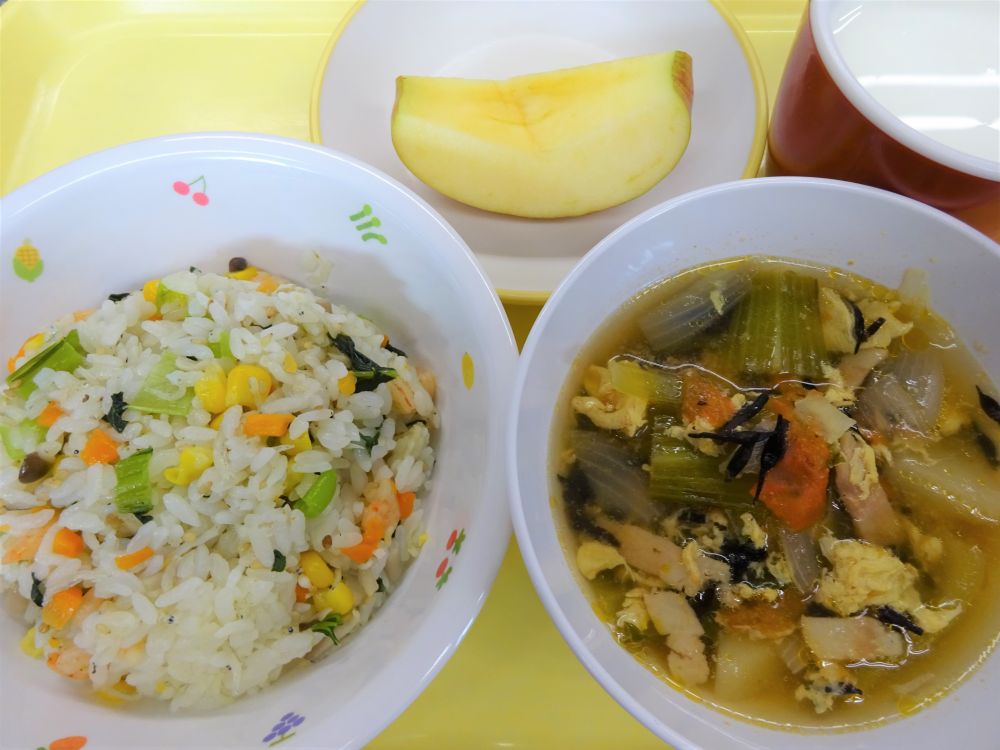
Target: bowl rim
x=528 y=352
x=494 y=514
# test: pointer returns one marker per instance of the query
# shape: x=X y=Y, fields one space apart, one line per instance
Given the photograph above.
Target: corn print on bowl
x=274 y=465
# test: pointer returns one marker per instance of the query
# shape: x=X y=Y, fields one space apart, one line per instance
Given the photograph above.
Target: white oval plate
x=527 y=258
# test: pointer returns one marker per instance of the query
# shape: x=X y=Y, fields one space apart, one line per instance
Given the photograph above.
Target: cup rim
x=820 y=17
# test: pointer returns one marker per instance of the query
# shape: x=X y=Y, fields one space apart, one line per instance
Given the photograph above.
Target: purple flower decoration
x=284 y=729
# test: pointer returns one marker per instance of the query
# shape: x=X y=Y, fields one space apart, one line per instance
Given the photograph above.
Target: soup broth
x=780 y=488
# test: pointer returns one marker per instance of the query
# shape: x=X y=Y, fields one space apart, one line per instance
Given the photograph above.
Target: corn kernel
x=28 y=645
x=35 y=342
x=193 y=462
x=348 y=384
x=248 y=273
x=216 y=423
x=316 y=569
x=268 y=285
x=211 y=389
x=149 y=290
x=302 y=443
x=290 y=365
x=248 y=385
x=339 y=599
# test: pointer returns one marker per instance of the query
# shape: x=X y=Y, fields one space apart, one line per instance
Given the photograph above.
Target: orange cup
x=827 y=124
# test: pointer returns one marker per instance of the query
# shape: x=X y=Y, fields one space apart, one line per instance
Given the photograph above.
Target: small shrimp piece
x=402 y=397
x=381 y=503
x=72 y=662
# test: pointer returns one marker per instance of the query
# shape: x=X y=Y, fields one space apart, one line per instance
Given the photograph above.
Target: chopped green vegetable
x=279 y=562
x=158 y=395
x=776 y=329
x=369 y=374
x=221 y=348
x=64 y=356
x=327 y=625
x=166 y=296
x=115 y=417
x=381 y=585
x=37 y=591
x=21 y=439
x=143 y=517
x=658 y=386
x=369 y=441
x=134 y=493
x=319 y=495
x=681 y=474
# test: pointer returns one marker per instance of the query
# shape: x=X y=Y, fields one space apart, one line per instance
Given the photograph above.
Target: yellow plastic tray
x=80 y=76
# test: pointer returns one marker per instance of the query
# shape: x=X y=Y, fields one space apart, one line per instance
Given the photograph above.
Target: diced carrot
x=50 y=414
x=267 y=425
x=68 y=743
x=100 y=449
x=82 y=315
x=129 y=561
x=360 y=553
x=385 y=341
x=795 y=489
x=301 y=594
x=30 y=344
x=704 y=398
x=68 y=543
x=24 y=547
x=59 y=610
x=406 y=500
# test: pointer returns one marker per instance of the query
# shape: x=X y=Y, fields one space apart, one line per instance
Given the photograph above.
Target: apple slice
x=563 y=143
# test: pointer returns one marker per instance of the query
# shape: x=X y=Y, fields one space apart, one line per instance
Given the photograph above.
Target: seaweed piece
x=118 y=297
x=577 y=495
x=989 y=405
x=692 y=516
x=143 y=517
x=897 y=619
x=739 y=556
x=369 y=374
x=394 y=350
x=740 y=458
x=115 y=417
x=988 y=447
x=858 y=328
x=704 y=602
x=37 y=591
x=279 y=562
x=194 y=269
x=774 y=451
x=381 y=585
x=874 y=327
x=748 y=411
x=815 y=609
x=738 y=438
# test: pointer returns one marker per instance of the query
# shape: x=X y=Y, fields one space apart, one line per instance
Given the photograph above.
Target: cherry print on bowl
x=200 y=197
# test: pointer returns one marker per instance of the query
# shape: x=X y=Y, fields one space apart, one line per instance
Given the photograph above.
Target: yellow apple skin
x=548 y=145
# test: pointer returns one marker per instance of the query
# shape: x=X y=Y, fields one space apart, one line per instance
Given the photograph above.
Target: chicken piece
x=673 y=617
x=701 y=568
x=855 y=368
x=927 y=549
x=402 y=397
x=866 y=502
x=837 y=321
x=850 y=639
x=893 y=327
x=593 y=557
x=823 y=686
x=633 y=611
x=763 y=619
x=649 y=553
x=606 y=407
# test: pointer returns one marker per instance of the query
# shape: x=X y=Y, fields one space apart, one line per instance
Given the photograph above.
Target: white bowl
x=110 y=221
x=871 y=232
